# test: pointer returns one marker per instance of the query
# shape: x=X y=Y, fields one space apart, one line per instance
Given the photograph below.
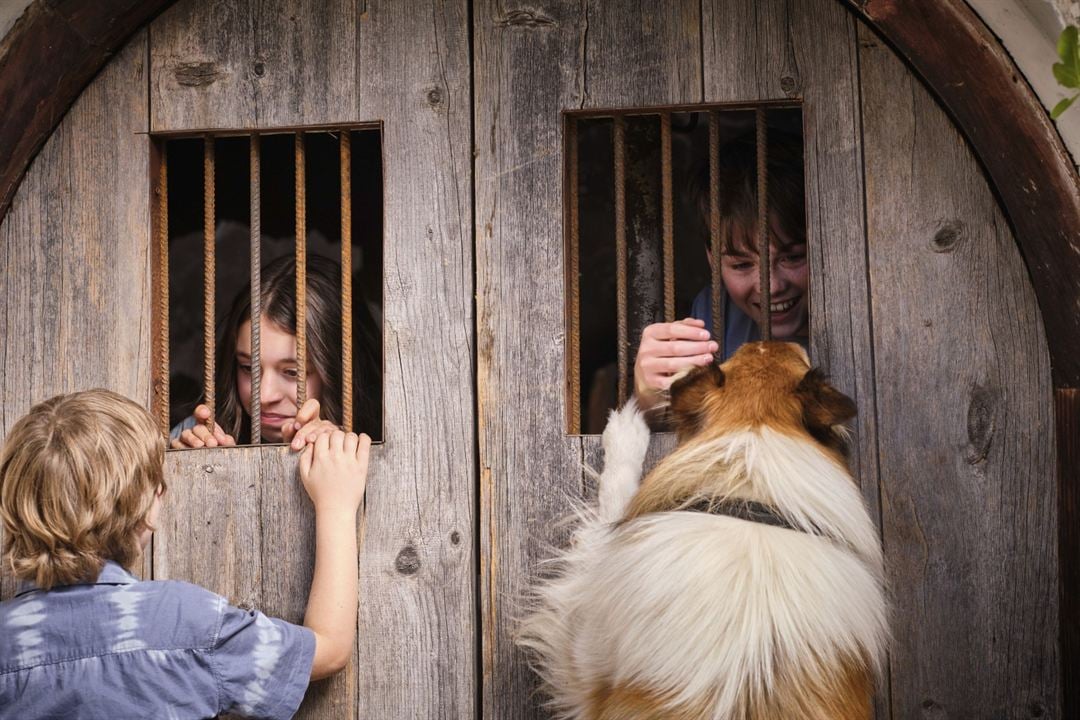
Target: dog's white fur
x=703 y=610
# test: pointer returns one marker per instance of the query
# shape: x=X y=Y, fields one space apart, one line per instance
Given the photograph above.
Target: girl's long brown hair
x=278 y=301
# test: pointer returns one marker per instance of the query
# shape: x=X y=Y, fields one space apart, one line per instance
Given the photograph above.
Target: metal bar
x=161 y=284
x=209 y=222
x=667 y=217
x=255 y=196
x=574 y=273
x=346 y=282
x=715 y=244
x=764 y=267
x=301 y=272
x=621 y=254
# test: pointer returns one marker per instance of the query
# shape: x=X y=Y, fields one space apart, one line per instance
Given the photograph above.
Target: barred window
x=662 y=220
x=239 y=218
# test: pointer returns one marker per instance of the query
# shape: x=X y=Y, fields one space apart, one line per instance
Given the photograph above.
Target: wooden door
x=921 y=313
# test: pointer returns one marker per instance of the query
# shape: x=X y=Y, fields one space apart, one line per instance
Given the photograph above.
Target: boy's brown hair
x=78 y=476
x=737 y=186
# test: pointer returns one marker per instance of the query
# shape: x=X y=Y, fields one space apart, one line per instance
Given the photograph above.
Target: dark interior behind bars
x=278 y=233
x=645 y=262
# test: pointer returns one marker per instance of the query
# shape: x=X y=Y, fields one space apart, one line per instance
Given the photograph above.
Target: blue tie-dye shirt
x=124 y=648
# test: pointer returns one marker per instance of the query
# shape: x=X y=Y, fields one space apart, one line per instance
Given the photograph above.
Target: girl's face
x=789 y=280
x=277 y=387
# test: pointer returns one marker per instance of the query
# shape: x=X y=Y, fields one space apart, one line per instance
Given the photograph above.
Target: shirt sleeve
x=263 y=664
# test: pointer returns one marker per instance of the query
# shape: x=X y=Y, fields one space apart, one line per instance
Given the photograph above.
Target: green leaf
x=1067 y=76
x=1068 y=46
x=1062 y=107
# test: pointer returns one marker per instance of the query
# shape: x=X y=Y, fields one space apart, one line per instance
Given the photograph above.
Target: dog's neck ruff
x=749 y=510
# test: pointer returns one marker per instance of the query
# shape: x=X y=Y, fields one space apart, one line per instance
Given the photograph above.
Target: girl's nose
x=270 y=389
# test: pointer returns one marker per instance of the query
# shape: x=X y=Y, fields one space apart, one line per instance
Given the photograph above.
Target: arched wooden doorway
x=931 y=319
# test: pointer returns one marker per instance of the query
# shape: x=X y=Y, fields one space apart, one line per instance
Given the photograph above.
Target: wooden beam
x=976 y=81
x=46 y=60
x=1067 y=411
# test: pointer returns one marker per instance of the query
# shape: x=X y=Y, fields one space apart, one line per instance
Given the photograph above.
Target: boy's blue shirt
x=124 y=648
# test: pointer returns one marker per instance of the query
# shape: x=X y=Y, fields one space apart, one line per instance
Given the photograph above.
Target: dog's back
x=671 y=604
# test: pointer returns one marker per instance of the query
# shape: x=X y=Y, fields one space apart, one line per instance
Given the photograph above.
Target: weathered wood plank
x=287 y=546
x=974 y=76
x=75 y=280
x=1067 y=424
x=238 y=522
x=807 y=51
x=965 y=419
x=254 y=64
x=417 y=581
x=532 y=62
x=418 y=578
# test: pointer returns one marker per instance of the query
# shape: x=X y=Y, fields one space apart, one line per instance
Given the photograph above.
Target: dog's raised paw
x=626 y=437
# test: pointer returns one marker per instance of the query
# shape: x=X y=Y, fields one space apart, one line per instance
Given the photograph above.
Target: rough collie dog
x=742 y=581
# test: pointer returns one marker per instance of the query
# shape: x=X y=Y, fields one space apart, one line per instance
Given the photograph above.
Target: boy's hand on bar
x=333 y=468
x=201 y=436
x=307 y=426
x=665 y=349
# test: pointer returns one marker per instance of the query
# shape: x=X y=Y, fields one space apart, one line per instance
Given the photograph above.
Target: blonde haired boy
x=80 y=487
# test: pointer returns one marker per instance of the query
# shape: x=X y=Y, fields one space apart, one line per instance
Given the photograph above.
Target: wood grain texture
x=253 y=64
x=1067 y=424
x=532 y=62
x=806 y=51
x=418 y=607
x=417 y=604
x=75 y=256
x=46 y=60
x=976 y=80
x=965 y=420
x=238 y=522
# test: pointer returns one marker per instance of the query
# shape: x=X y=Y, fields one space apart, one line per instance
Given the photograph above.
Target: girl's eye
x=291 y=373
x=793 y=259
x=246 y=369
x=741 y=265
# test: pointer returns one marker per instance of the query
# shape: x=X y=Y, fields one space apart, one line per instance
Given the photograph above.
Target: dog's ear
x=688 y=397
x=823 y=408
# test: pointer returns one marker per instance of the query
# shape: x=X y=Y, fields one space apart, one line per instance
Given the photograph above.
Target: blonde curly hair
x=78 y=477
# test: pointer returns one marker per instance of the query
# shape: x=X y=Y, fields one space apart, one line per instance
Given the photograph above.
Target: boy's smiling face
x=789 y=280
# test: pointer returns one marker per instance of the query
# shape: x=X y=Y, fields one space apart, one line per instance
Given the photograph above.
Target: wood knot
x=434 y=97
x=208 y=468
x=407 y=561
x=932 y=711
x=259 y=69
x=197 y=74
x=1037 y=709
x=455 y=538
x=981 y=423
x=789 y=84
x=525 y=19
x=948 y=236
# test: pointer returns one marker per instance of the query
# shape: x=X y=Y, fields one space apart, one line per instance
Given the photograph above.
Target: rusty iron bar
x=255 y=197
x=346 y=281
x=209 y=275
x=667 y=216
x=301 y=271
x=161 y=388
x=715 y=240
x=619 y=138
x=574 y=276
x=764 y=267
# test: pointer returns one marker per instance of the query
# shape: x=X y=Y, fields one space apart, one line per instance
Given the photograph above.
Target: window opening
x=658 y=201
x=268 y=209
